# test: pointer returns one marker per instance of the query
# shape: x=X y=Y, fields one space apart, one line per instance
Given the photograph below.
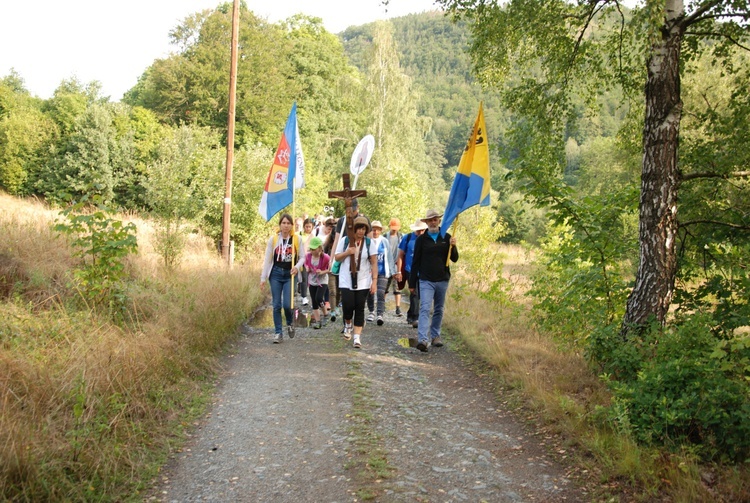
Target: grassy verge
x=367 y=458
x=90 y=407
x=559 y=391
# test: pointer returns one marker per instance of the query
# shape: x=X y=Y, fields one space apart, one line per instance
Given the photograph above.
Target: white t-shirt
x=364 y=276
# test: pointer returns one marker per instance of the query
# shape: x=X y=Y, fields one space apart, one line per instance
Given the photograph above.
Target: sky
x=113 y=42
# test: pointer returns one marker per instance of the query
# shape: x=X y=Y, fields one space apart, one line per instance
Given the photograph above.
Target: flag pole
x=450 y=246
x=294 y=201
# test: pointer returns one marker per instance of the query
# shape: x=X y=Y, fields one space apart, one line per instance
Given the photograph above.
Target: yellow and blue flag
x=287 y=171
x=472 y=183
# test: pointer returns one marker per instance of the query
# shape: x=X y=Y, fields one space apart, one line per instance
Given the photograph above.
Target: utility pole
x=227 y=251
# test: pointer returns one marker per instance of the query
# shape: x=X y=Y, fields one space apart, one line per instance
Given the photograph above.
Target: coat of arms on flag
x=288 y=166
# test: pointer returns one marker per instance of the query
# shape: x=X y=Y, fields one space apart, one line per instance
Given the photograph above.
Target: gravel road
x=314 y=420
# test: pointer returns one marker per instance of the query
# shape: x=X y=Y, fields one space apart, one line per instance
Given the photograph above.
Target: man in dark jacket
x=429 y=268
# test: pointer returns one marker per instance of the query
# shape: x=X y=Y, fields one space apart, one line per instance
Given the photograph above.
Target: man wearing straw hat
x=430 y=270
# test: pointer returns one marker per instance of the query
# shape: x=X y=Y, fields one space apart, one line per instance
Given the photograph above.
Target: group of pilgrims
x=312 y=257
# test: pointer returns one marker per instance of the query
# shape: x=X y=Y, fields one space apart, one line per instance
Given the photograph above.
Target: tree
x=555 y=49
x=69 y=101
x=190 y=87
x=94 y=159
x=400 y=158
x=25 y=135
x=181 y=185
x=140 y=134
x=330 y=95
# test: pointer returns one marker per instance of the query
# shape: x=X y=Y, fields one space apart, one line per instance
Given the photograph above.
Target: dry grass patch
x=34 y=262
x=90 y=406
x=505 y=338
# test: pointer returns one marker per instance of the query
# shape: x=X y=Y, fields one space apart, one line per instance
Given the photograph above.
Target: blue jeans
x=380 y=295
x=281 y=289
x=431 y=296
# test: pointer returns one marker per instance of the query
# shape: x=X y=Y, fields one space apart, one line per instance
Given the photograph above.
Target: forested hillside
x=432 y=51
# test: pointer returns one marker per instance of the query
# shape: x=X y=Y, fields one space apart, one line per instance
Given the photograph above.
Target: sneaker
x=371 y=317
x=317 y=325
x=290 y=331
x=333 y=315
x=380 y=320
x=357 y=344
x=415 y=323
x=437 y=342
x=304 y=301
x=277 y=338
x=348 y=332
x=422 y=346
x=398 y=311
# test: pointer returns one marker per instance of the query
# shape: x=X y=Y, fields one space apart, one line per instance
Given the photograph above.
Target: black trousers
x=413 y=313
x=353 y=302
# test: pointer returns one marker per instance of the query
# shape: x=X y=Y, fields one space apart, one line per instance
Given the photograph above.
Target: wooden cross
x=347 y=195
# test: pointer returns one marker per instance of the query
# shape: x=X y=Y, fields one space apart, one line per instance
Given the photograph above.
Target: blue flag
x=472 y=183
x=287 y=171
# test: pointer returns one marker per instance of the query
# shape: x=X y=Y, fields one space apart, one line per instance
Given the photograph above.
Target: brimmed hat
x=376 y=223
x=330 y=221
x=418 y=226
x=395 y=224
x=315 y=243
x=432 y=214
x=362 y=221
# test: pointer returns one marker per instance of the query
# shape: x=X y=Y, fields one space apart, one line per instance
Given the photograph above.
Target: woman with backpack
x=285 y=253
x=355 y=286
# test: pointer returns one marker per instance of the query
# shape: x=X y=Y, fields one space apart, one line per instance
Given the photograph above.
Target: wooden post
x=225 y=247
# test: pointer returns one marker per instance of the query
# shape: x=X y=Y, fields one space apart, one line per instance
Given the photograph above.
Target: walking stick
x=295 y=313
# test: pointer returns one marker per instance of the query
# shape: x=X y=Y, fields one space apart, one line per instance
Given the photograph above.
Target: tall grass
x=90 y=408
x=563 y=395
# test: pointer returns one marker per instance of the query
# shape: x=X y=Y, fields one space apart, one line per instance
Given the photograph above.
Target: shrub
x=102 y=242
x=687 y=385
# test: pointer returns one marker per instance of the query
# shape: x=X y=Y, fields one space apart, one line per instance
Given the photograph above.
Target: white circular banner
x=362 y=155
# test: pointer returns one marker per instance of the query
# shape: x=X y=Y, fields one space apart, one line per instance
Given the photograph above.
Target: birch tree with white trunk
x=539 y=53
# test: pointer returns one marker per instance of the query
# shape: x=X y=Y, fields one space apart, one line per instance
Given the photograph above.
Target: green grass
x=368 y=458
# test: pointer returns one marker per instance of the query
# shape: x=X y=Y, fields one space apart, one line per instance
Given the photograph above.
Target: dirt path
x=314 y=420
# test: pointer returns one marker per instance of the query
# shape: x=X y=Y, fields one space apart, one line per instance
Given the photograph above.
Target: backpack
x=336 y=267
x=367 y=244
x=403 y=262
